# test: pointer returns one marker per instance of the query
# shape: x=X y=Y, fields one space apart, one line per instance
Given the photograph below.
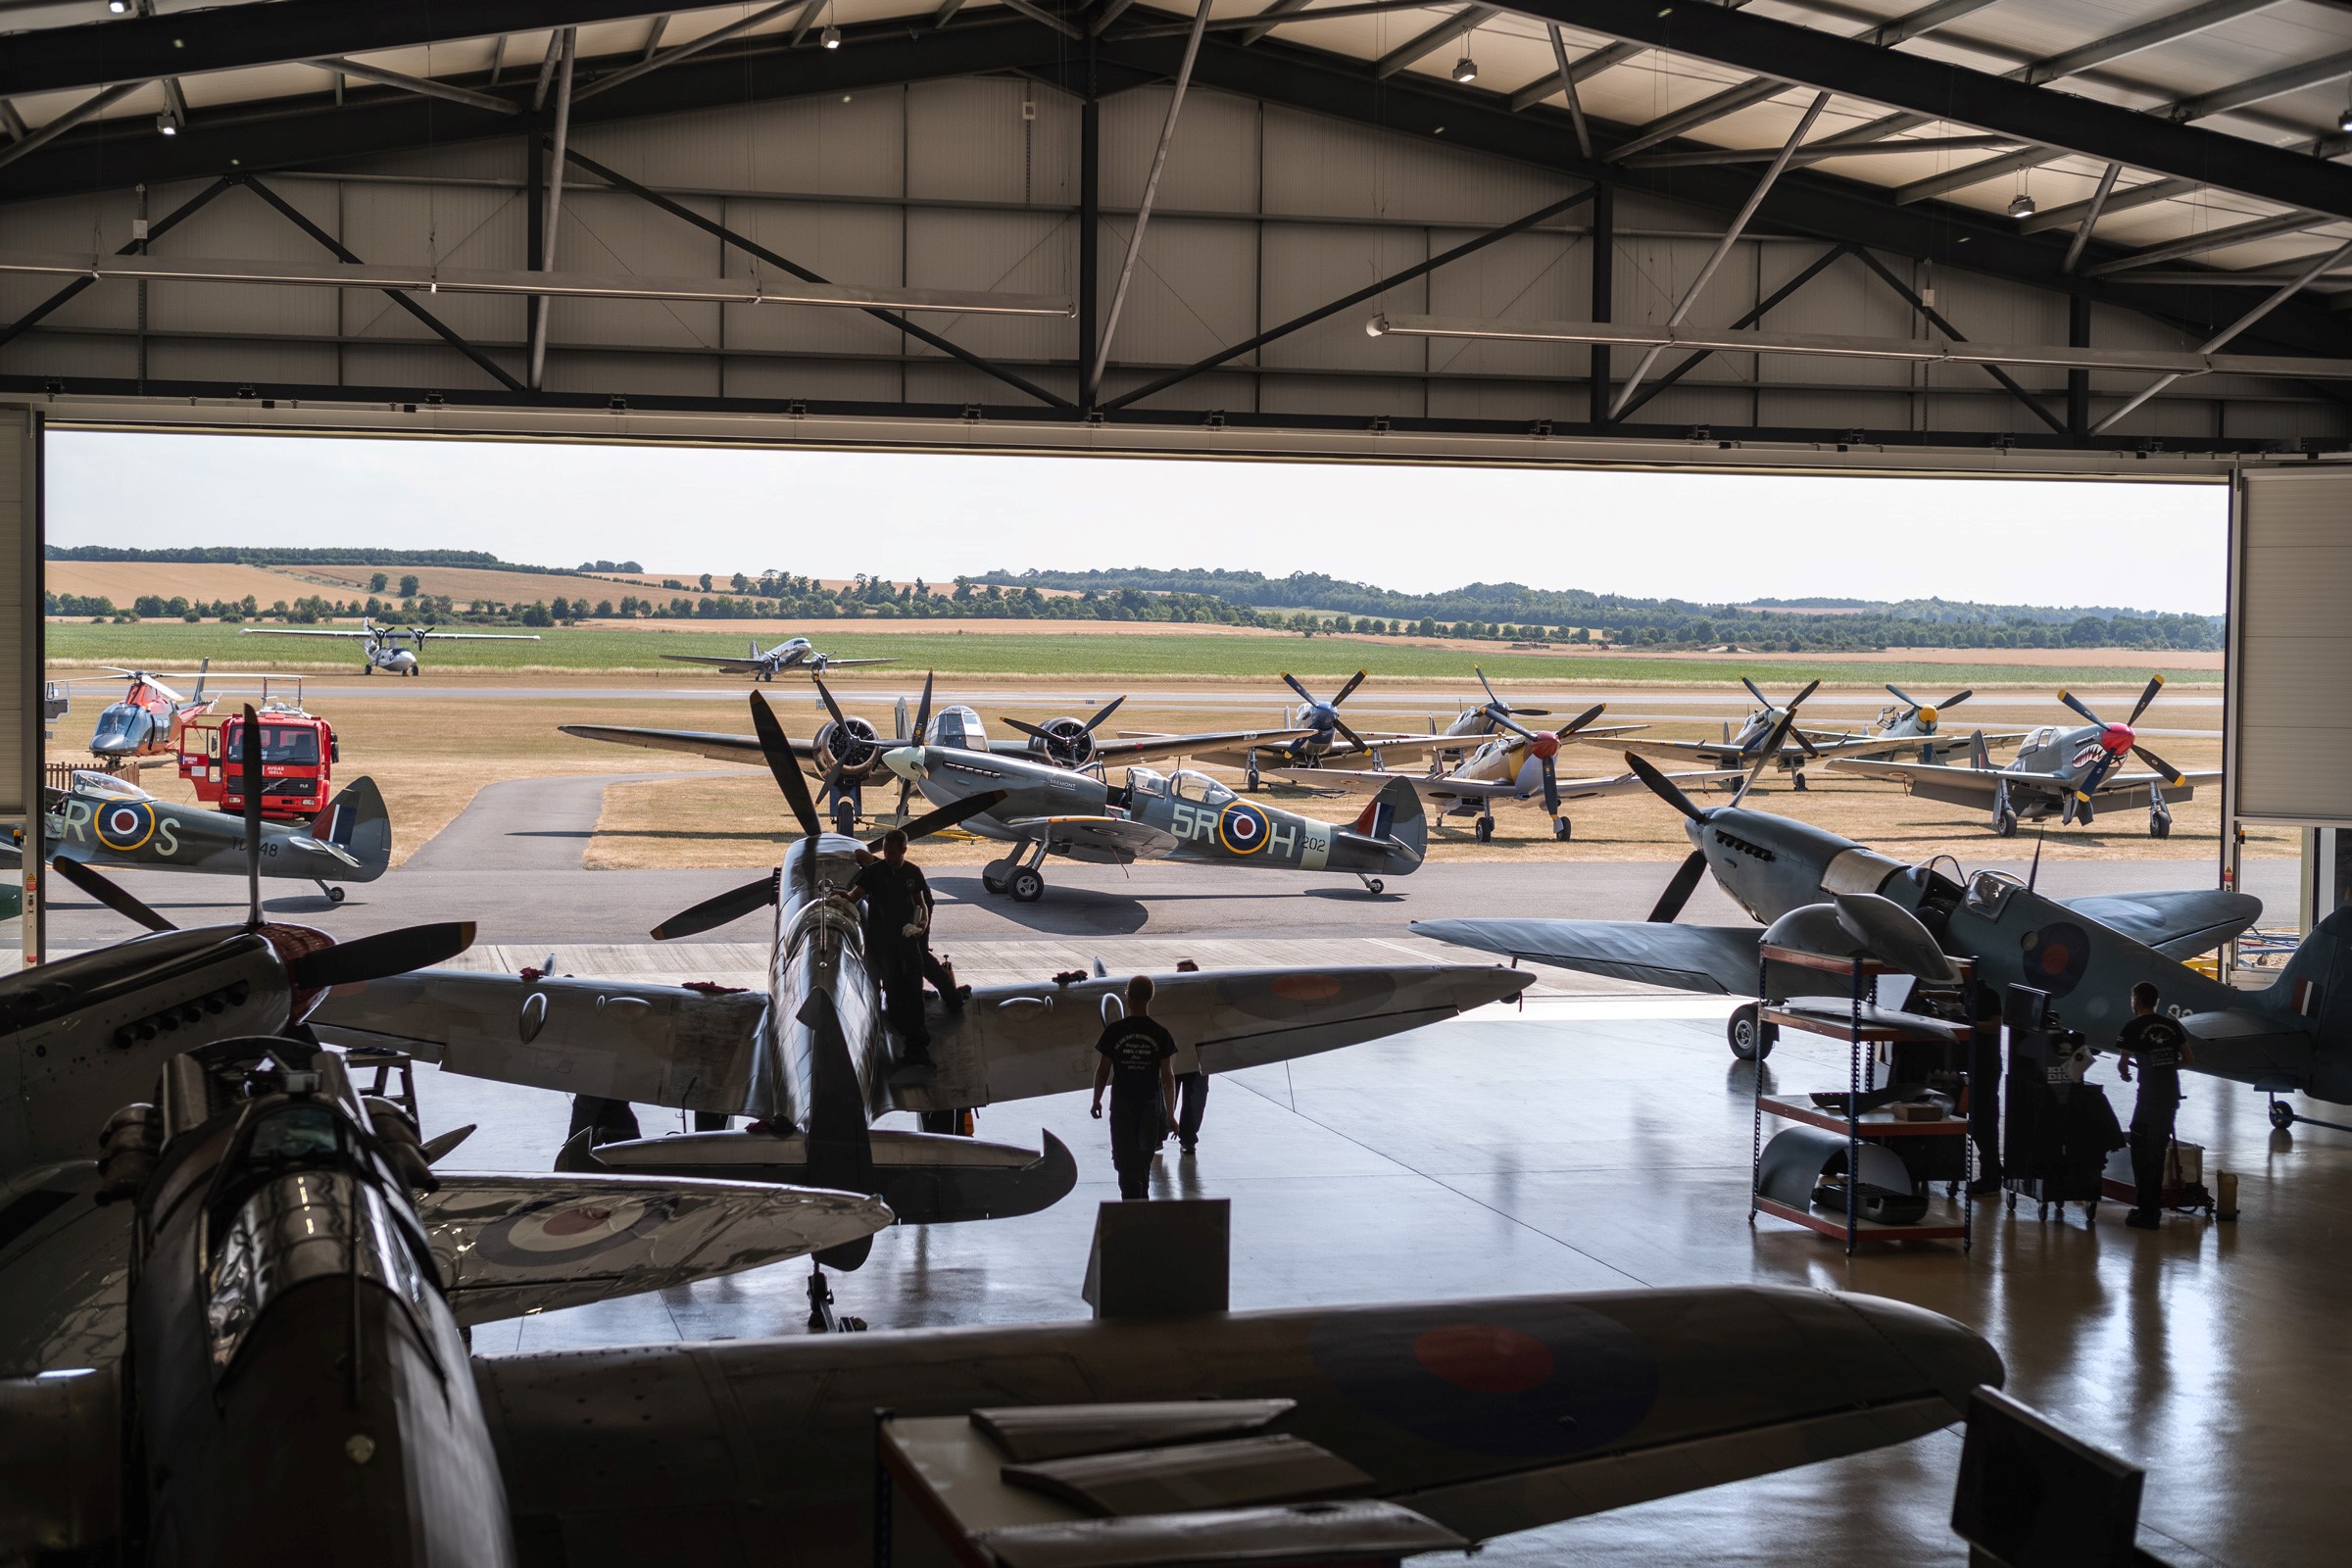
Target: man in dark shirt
x=2159 y=1046
x=1136 y=1054
x=1984 y=1091
x=897 y=904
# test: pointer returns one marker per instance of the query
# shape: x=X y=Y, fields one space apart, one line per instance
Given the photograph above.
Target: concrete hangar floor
x=1597 y=1139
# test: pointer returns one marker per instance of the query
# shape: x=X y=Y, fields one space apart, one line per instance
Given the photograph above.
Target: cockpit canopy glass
x=958 y=726
x=1193 y=786
x=120 y=727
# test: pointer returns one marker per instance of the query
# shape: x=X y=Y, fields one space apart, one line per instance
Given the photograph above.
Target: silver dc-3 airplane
x=382 y=650
x=1181 y=816
x=796 y=653
x=2068 y=774
x=847 y=750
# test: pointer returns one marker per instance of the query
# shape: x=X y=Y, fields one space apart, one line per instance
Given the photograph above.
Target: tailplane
x=2316 y=985
x=1395 y=814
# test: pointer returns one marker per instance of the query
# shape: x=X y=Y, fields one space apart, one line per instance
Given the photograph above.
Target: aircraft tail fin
x=1396 y=812
x=203 y=670
x=1979 y=754
x=2317 y=983
x=356 y=822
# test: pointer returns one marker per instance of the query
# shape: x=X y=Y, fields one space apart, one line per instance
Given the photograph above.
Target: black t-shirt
x=893 y=895
x=1135 y=1047
x=2155 y=1042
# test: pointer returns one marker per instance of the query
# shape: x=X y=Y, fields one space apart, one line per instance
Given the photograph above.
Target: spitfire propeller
x=1768 y=750
x=1695 y=864
x=918 y=735
x=1495 y=707
x=851 y=747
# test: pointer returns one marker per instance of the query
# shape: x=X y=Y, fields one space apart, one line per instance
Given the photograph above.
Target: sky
x=1714 y=538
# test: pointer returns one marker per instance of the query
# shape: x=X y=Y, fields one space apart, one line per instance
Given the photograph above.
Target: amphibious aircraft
x=147 y=720
x=298 y=1388
x=814 y=1062
x=2066 y=773
x=796 y=653
x=1517 y=766
x=107 y=821
x=1183 y=816
x=847 y=750
x=383 y=651
x=1775 y=869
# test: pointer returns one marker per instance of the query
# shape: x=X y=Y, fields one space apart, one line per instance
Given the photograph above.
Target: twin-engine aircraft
x=846 y=751
x=813 y=1062
x=796 y=653
x=382 y=650
x=2066 y=773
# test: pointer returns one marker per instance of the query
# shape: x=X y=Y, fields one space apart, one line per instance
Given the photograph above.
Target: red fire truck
x=298 y=753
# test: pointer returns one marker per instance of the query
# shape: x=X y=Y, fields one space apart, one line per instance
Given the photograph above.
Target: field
x=126 y=580
x=1127 y=650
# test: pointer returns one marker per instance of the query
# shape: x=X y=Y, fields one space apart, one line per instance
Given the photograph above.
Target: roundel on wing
x=557 y=1231
x=124 y=825
x=1241 y=828
x=1520 y=1380
x=2056 y=956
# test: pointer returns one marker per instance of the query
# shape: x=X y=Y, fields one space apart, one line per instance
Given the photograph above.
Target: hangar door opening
x=2289 y=752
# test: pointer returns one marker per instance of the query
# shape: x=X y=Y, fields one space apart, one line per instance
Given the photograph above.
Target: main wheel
x=2160 y=827
x=1751 y=1039
x=1027 y=885
x=2282 y=1115
x=2006 y=824
x=334 y=895
x=992 y=883
x=1561 y=829
x=1484 y=829
x=1375 y=886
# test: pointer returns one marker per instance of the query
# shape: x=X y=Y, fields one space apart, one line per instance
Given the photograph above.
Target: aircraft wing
x=1144 y=748
x=1358 y=782
x=294 y=631
x=2251 y=1047
x=511 y=1243
x=1099 y=840
x=1713 y=752
x=1687 y=958
x=1478 y=1417
x=656 y=1044
x=65 y=1270
x=1904 y=746
x=844 y=664
x=440 y=636
x=2177 y=923
x=713 y=744
x=1012 y=1042
x=1954 y=786
x=733 y=667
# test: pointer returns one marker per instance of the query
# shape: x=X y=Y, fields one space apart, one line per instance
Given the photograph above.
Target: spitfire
x=104 y=820
x=796 y=653
x=382 y=650
x=2066 y=773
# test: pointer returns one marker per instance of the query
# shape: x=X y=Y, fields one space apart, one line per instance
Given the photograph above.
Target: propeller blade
x=1957 y=698
x=1902 y=696
x=905 y=785
x=1805 y=741
x=1568 y=730
x=249 y=779
x=950 y=814
x=1551 y=789
x=107 y=893
x=2172 y=774
x=785 y=764
x=1109 y=709
x=1678 y=891
x=711 y=914
x=1493 y=701
x=1292 y=682
x=922 y=721
x=1353 y=681
x=388 y=953
x=1755 y=691
x=831 y=707
x=1664 y=788
x=1503 y=720
x=1811 y=687
x=1027 y=728
x=441 y=1146
x=1353 y=739
x=2146 y=696
x=2078 y=704
x=1767 y=754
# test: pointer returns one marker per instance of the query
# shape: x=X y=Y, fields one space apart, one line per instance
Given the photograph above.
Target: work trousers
x=2151 y=1137
x=898 y=965
x=606 y=1121
x=1191 y=1103
x=1136 y=1126
x=1985 y=1096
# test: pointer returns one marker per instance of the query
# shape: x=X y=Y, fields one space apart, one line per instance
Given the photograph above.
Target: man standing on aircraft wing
x=2160 y=1049
x=1136 y=1054
x=897 y=900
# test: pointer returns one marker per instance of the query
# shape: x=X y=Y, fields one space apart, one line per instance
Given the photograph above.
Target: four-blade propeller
x=1325 y=716
x=2115 y=741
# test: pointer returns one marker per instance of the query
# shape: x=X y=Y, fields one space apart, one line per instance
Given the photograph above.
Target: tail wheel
x=334 y=895
x=1026 y=885
x=2282 y=1115
x=1751 y=1039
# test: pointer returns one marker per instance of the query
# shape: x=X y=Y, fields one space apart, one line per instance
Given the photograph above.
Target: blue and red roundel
x=2056 y=955
x=124 y=825
x=1241 y=828
x=1521 y=1380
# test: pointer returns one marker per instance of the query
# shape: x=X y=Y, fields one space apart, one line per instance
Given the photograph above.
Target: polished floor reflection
x=1603 y=1143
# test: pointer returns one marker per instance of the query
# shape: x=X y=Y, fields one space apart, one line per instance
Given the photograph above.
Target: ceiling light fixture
x=2343 y=118
x=168 y=123
x=2022 y=205
x=118 y=7
x=1465 y=70
x=831 y=37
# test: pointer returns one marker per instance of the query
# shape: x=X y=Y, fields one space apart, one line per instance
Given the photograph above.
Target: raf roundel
x=565 y=1230
x=125 y=825
x=1241 y=828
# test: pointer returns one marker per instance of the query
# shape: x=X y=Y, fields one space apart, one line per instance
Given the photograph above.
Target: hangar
x=1971 y=238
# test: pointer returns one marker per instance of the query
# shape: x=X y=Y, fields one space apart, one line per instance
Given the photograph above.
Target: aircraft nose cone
x=905 y=760
x=1927 y=718
x=1949 y=1355
x=2118 y=738
x=1544 y=744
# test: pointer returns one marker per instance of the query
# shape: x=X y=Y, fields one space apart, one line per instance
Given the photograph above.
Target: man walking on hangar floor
x=1136 y=1054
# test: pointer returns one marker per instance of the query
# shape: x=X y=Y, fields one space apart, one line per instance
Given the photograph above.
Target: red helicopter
x=148 y=719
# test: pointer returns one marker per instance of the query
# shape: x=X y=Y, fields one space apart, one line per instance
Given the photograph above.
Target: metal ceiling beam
x=155 y=231
x=653 y=36
x=1820 y=264
x=551 y=228
x=1424 y=44
x=1574 y=99
x=2091 y=218
x=1109 y=12
x=12 y=122
x=1935 y=318
x=1142 y=211
x=418 y=84
x=2219 y=340
x=88 y=108
x=1584 y=70
x=1267 y=20
x=687 y=51
x=1808 y=156
x=2213 y=239
x=2123 y=201
x=188 y=43
x=1938 y=90
x=1044 y=17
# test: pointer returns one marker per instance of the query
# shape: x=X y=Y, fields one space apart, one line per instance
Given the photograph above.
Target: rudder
x=356 y=822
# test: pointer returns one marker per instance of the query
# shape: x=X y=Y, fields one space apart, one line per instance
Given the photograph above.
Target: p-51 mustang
x=1517 y=765
x=1184 y=817
x=796 y=653
x=107 y=821
x=814 y=1062
x=2066 y=773
x=846 y=751
x=383 y=651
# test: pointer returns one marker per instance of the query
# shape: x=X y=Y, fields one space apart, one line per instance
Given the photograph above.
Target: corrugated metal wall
x=1263 y=213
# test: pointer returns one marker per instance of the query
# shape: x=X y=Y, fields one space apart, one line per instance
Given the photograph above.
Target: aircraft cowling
x=1067 y=742
x=851 y=742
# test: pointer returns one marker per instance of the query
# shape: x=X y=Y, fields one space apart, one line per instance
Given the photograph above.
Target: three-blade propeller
x=920 y=737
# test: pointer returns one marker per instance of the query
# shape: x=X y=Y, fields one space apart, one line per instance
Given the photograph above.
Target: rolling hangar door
x=2289 y=753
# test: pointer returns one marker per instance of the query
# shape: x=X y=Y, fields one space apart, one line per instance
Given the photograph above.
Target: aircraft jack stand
x=333 y=895
x=822 y=1317
x=2286 y=1117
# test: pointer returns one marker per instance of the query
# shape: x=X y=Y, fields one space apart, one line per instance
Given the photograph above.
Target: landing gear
x=2160 y=816
x=1796 y=780
x=1017 y=873
x=1563 y=829
x=1249 y=774
x=2283 y=1115
x=1026 y=885
x=1484 y=829
x=822 y=1317
x=2006 y=824
x=844 y=815
x=1751 y=1038
x=1372 y=884
x=333 y=895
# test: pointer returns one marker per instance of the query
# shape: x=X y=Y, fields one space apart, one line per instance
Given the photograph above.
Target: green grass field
x=175 y=646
